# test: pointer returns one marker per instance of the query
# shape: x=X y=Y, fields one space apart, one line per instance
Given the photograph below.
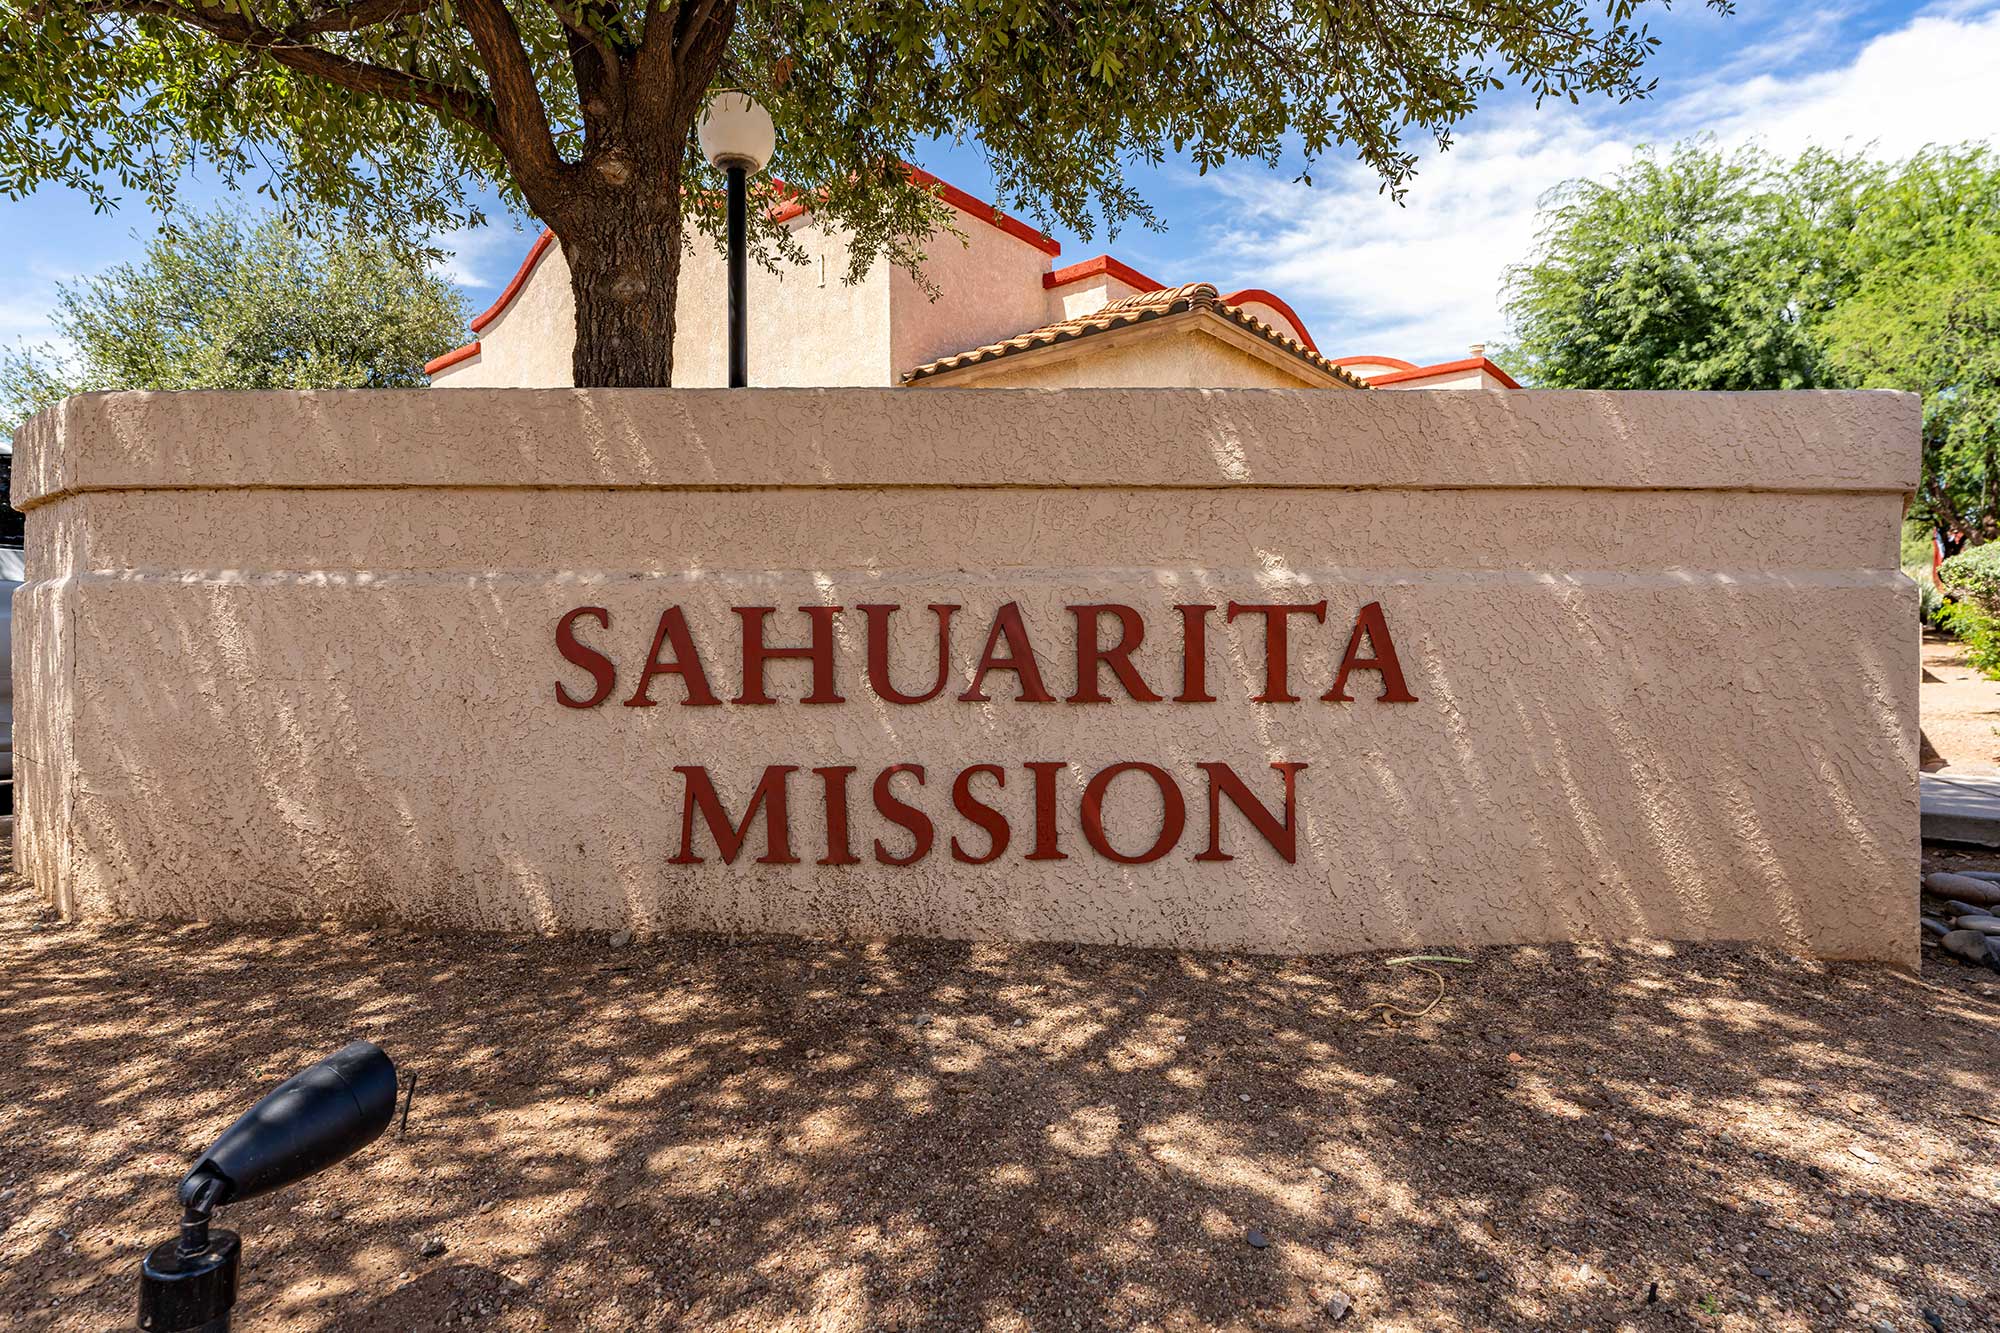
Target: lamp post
x=737 y=137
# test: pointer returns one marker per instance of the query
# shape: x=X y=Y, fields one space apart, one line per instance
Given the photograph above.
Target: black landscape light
x=318 y=1116
x=737 y=138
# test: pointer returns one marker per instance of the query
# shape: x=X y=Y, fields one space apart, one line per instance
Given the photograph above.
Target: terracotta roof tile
x=1123 y=313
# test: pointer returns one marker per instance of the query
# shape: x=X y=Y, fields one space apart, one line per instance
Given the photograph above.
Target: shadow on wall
x=789 y=1135
x=1658 y=711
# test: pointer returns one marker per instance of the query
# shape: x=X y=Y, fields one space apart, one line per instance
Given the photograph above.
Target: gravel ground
x=781 y=1134
x=1960 y=707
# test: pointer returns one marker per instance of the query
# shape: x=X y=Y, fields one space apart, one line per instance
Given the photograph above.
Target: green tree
x=229 y=302
x=1699 y=270
x=1929 y=322
x=582 y=111
x=1713 y=270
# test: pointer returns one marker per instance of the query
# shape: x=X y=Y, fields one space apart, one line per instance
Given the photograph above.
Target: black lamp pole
x=739 y=299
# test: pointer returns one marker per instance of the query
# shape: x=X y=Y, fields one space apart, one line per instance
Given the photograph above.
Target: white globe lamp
x=737 y=138
x=736 y=131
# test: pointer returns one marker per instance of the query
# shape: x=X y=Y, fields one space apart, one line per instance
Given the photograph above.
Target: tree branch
x=524 y=122
x=352 y=18
x=344 y=71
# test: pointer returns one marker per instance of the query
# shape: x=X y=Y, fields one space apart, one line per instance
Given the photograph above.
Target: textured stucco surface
x=291 y=655
x=989 y=286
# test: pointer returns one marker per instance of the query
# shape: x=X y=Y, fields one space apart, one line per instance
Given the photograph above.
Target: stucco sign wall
x=1274 y=670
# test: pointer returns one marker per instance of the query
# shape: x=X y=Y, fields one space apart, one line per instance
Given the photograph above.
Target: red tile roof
x=1124 y=313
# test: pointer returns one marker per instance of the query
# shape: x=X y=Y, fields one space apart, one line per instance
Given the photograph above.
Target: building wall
x=848 y=342
x=1368 y=370
x=1190 y=359
x=1466 y=379
x=990 y=287
x=529 y=345
x=1084 y=296
x=1271 y=315
x=1653 y=695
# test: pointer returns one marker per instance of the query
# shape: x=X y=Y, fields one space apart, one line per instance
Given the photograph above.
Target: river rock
x=1934 y=928
x=1985 y=925
x=1970 y=945
x=1947 y=885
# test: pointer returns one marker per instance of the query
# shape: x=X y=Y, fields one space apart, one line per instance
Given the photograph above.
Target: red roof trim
x=1448 y=368
x=499 y=307
x=785 y=212
x=1262 y=297
x=984 y=211
x=451 y=358
x=1102 y=264
x=1397 y=362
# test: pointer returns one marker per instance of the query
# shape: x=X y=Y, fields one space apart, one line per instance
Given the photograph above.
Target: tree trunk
x=624 y=254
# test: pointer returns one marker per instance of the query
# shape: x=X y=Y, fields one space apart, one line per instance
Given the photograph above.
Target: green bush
x=1975 y=574
x=1978 y=631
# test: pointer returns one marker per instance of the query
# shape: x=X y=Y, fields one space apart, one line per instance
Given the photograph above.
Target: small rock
x=620 y=938
x=1933 y=927
x=1946 y=885
x=1337 y=1306
x=432 y=1247
x=1257 y=1239
x=1482 y=1276
x=1931 y=1318
x=1984 y=923
x=923 y=1020
x=1242 y=1096
x=1863 y=1153
x=1757 y=1270
x=1883 y=1326
x=1967 y=944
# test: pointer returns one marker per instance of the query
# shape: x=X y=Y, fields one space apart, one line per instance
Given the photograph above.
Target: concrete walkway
x=1961 y=721
x=1960 y=807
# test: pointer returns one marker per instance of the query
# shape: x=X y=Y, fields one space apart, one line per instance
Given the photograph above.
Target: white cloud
x=482 y=257
x=1423 y=281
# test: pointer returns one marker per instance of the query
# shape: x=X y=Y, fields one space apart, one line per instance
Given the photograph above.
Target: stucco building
x=1006 y=314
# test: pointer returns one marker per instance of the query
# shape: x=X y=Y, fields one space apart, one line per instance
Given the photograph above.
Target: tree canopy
x=1694 y=270
x=1705 y=269
x=229 y=302
x=581 y=111
x=1929 y=323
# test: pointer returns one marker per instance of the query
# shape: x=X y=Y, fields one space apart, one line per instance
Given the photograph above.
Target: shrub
x=1975 y=574
x=1978 y=631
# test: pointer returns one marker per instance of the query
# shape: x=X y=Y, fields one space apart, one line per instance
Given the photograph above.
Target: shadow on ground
x=695 y=1133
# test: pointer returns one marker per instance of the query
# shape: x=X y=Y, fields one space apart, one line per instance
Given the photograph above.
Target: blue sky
x=1421 y=281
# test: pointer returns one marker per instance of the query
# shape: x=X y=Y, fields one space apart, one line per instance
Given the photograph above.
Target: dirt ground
x=779 y=1134
x=1960 y=707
